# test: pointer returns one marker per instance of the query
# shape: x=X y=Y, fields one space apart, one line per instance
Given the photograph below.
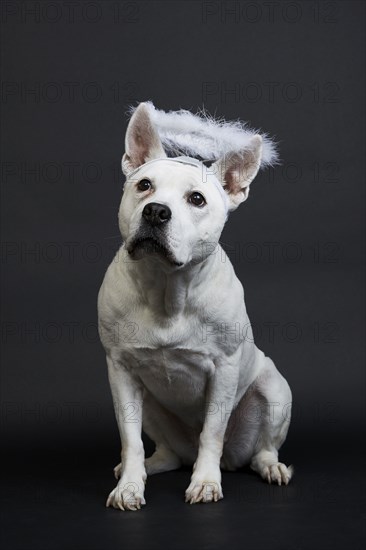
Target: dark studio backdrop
x=69 y=72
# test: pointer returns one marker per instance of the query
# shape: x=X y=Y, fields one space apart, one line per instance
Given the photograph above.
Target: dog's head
x=174 y=210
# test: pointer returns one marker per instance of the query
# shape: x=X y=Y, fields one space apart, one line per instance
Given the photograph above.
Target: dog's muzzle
x=151 y=237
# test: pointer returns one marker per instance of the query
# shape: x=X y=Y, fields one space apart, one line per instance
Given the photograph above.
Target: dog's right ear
x=142 y=141
x=236 y=171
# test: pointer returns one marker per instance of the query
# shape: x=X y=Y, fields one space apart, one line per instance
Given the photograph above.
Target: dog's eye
x=144 y=185
x=197 y=199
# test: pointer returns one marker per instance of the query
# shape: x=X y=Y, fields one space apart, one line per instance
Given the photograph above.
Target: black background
x=294 y=69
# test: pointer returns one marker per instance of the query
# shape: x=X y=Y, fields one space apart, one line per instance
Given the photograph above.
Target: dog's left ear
x=142 y=141
x=237 y=170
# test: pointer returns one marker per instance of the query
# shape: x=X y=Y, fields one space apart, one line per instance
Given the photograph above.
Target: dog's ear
x=142 y=140
x=237 y=170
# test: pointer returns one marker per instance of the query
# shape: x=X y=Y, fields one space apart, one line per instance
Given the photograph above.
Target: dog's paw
x=278 y=473
x=205 y=489
x=128 y=495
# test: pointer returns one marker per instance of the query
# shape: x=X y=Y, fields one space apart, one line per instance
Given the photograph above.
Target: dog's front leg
x=127 y=400
x=205 y=485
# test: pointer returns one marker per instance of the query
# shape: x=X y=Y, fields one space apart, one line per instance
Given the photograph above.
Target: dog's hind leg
x=276 y=400
x=174 y=441
x=162 y=460
x=258 y=427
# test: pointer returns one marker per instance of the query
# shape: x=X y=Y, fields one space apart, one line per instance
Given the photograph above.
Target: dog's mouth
x=151 y=245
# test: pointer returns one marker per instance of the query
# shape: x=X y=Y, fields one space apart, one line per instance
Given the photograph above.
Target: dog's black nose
x=156 y=213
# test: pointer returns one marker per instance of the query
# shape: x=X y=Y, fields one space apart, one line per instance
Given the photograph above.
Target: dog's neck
x=168 y=292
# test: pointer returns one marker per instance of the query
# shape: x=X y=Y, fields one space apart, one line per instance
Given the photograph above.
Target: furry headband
x=200 y=135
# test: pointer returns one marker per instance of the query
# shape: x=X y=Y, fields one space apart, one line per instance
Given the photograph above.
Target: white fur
x=181 y=359
x=182 y=132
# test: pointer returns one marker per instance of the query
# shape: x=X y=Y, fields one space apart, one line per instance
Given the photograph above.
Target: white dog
x=181 y=359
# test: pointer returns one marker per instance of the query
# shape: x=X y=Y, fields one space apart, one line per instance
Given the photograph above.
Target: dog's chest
x=172 y=362
x=176 y=377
